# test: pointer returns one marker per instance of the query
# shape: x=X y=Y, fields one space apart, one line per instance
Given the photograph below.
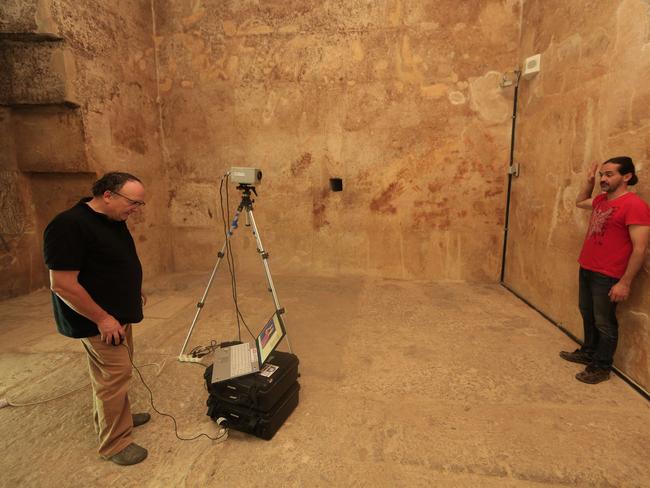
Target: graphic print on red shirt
x=607 y=247
x=598 y=223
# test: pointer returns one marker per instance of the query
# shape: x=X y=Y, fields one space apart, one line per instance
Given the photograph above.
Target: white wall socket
x=532 y=66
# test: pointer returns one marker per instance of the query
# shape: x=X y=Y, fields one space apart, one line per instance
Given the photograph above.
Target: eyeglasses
x=137 y=203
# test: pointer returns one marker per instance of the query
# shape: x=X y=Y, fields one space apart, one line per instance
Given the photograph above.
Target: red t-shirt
x=608 y=246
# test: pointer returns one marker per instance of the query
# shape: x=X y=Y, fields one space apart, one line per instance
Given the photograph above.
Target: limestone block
x=385 y=253
x=639 y=111
x=195 y=205
x=18 y=16
x=8 y=153
x=21 y=265
x=197 y=249
x=49 y=139
x=31 y=17
x=416 y=56
x=13 y=214
x=595 y=47
x=19 y=255
x=52 y=193
x=48 y=66
x=252 y=18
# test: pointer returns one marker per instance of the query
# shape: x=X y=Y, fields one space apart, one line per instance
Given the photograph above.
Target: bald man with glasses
x=96 y=283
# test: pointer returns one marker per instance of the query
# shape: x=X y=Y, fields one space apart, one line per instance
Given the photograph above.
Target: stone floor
x=403 y=384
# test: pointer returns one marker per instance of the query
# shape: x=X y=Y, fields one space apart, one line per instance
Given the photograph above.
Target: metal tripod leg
x=199 y=306
x=267 y=271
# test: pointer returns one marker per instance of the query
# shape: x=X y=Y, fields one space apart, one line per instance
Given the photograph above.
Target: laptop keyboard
x=240 y=360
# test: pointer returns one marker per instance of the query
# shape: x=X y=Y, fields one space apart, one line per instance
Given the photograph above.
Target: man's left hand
x=619 y=292
x=144 y=299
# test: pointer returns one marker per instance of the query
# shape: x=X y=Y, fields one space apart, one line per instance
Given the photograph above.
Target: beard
x=609 y=188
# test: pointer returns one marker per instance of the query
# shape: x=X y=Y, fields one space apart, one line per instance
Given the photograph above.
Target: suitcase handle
x=238 y=398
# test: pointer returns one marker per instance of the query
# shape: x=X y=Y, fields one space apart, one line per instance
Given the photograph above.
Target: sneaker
x=577 y=356
x=131 y=454
x=593 y=375
x=140 y=418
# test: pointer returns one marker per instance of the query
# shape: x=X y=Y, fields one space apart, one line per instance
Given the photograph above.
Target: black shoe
x=593 y=375
x=140 y=418
x=131 y=454
x=577 y=356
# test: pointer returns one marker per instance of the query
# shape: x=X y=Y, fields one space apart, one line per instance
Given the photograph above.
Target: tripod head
x=246 y=201
x=246 y=189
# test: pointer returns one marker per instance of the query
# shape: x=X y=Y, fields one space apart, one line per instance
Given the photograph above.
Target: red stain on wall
x=170 y=197
x=318 y=212
x=383 y=203
x=432 y=214
x=433 y=219
x=301 y=164
x=319 y=220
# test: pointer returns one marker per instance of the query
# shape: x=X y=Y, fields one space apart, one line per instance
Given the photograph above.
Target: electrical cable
x=234 y=277
x=225 y=219
x=226 y=232
x=160 y=367
x=230 y=256
x=231 y=268
x=38 y=402
x=10 y=403
x=510 y=166
x=223 y=435
x=200 y=351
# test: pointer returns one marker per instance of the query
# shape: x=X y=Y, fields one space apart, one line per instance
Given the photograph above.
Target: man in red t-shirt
x=611 y=256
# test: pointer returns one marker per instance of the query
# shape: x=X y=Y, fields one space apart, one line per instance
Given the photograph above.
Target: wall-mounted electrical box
x=532 y=66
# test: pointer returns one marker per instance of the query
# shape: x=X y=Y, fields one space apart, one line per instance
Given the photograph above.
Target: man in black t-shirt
x=96 y=281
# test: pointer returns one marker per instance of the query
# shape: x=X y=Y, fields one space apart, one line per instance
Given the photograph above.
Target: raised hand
x=591 y=174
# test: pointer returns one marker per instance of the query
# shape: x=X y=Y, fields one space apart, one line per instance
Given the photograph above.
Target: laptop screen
x=270 y=336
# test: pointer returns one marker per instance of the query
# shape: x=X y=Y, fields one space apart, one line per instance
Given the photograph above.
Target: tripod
x=246 y=205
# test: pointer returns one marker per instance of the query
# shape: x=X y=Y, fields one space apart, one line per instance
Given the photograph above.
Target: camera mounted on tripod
x=245 y=177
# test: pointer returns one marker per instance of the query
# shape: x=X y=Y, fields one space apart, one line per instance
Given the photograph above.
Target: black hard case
x=255 y=422
x=254 y=390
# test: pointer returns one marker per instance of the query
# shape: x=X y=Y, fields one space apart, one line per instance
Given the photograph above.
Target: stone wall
x=401 y=99
x=78 y=93
x=589 y=103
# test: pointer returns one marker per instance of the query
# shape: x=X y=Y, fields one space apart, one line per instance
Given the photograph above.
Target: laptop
x=242 y=359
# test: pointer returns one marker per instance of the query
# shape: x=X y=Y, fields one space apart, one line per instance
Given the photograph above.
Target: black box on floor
x=255 y=422
x=259 y=403
x=262 y=390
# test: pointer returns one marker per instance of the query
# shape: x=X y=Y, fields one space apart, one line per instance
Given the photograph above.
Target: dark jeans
x=598 y=317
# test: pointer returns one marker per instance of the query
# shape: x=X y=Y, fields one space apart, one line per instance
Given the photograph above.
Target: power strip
x=184 y=358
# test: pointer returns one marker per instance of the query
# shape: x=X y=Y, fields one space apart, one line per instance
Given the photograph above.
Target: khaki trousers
x=110 y=374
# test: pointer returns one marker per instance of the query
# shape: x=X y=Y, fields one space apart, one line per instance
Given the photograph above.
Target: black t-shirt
x=103 y=252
